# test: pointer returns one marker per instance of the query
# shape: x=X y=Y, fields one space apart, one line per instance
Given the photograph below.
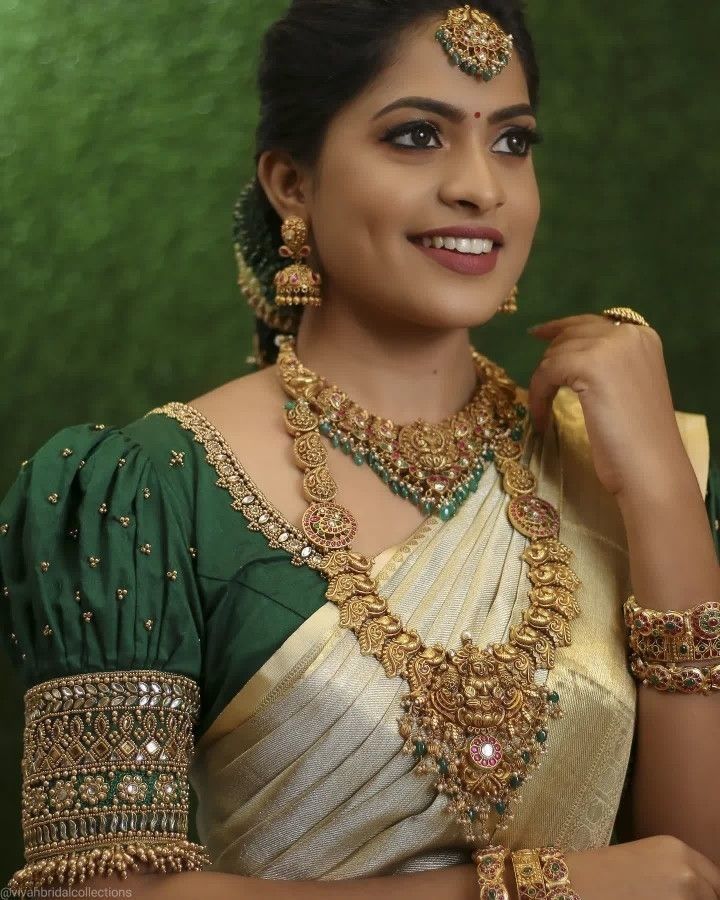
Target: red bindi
x=477 y=115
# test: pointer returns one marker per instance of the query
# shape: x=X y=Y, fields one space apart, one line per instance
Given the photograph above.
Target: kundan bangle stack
x=669 y=648
x=540 y=874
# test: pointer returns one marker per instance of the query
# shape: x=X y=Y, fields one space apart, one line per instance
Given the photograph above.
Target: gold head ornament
x=475 y=42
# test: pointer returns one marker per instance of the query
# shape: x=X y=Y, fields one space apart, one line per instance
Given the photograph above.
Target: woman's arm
x=673 y=564
x=452 y=883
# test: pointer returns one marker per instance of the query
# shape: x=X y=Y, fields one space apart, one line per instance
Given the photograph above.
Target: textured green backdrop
x=126 y=130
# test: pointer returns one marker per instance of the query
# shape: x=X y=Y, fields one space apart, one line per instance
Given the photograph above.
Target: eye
x=519 y=140
x=418 y=132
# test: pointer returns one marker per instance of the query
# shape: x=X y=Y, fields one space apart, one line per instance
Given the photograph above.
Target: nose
x=472 y=179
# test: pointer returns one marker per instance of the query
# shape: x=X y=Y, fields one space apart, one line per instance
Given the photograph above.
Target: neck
x=400 y=373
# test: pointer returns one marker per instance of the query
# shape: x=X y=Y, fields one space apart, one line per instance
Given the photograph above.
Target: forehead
x=421 y=68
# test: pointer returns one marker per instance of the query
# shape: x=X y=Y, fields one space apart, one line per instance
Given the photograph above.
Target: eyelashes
x=526 y=135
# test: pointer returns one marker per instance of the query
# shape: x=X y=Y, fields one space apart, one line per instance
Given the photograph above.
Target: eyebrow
x=454 y=113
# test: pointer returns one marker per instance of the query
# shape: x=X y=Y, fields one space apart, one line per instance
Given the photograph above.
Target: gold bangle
x=529 y=875
x=692 y=635
x=490 y=864
x=676 y=679
x=556 y=875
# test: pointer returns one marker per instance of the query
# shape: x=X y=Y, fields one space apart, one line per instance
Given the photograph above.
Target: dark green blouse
x=119 y=550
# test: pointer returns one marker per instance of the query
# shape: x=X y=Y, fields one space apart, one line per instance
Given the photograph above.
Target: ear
x=284 y=183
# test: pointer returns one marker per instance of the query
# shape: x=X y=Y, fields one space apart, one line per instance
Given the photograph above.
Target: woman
x=369 y=672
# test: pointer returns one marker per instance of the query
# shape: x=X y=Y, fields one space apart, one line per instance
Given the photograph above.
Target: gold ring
x=623 y=314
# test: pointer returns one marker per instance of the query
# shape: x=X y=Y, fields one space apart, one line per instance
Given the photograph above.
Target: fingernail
x=533 y=328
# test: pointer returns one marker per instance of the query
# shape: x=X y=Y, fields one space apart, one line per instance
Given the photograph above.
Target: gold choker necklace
x=434 y=466
x=474 y=717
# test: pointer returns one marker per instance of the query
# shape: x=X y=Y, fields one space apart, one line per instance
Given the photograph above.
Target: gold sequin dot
x=53 y=498
x=193 y=552
x=148 y=624
x=73 y=533
x=77 y=596
x=146 y=493
x=44 y=566
x=13 y=637
x=103 y=508
x=172 y=575
x=145 y=548
x=121 y=462
x=177 y=458
x=94 y=561
x=98 y=427
x=121 y=593
x=87 y=615
x=81 y=464
x=47 y=631
x=24 y=463
x=4 y=528
x=124 y=521
x=6 y=591
x=717 y=524
x=67 y=452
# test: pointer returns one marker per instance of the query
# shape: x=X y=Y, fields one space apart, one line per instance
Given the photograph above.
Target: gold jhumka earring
x=297 y=284
x=509 y=305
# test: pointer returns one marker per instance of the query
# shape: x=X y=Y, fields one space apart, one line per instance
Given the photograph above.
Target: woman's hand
x=656 y=868
x=619 y=374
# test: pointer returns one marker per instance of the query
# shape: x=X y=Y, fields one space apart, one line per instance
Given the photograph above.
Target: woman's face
x=384 y=178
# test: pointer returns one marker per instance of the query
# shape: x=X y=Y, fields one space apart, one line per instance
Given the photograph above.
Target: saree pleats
x=301 y=776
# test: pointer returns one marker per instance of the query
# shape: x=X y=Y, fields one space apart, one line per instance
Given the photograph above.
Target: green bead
x=358 y=458
x=487 y=75
x=472 y=815
x=461 y=494
x=325 y=428
x=443 y=766
x=420 y=749
x=447 y=511
x=371 y=458
x=395 y=487
x=500 y=807
x=404 y=492
x=473 y=70
x=554 y=697
x=489 y=455
x=455 y=56
x=516 y=434
x=290 y=404
x=541 y=736
x=526 y=757
x=335 y=440
x=428 y=507
x=414 y=498
x=385 y=475
x=515 y=781
x=346 y=447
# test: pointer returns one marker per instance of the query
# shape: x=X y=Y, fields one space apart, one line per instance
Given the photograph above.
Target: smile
x=465 y=261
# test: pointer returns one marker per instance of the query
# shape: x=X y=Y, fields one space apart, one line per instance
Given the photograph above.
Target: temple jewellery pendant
x=474 y=718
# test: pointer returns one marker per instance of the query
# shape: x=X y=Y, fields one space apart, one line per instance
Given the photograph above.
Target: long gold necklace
x=434 y=466
x=474 y=717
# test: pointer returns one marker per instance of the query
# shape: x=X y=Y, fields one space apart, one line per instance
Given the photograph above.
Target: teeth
x=475 y=246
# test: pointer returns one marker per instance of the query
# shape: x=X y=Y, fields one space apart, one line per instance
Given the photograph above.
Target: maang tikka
x=297 y=284
x=475 y=42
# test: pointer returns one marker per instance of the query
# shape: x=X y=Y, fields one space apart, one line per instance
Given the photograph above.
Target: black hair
x=318 y=58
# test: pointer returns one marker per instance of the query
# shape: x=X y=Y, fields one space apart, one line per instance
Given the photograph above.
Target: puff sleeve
x=102 y=618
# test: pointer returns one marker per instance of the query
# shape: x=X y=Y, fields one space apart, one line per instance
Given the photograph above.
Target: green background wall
x=126 y=132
